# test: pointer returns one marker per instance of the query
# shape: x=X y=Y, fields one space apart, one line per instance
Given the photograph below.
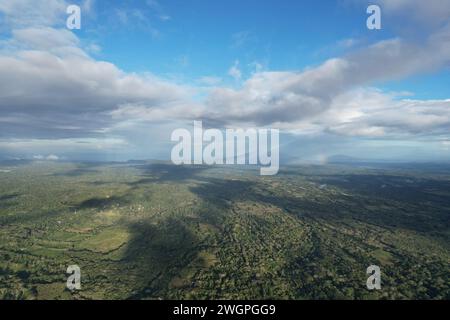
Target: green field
x=148 y=230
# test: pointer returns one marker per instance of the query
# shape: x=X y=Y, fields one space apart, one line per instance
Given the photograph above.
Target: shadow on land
x=7 y=197
x=160 y=252
x=84 y=168
x=414 y=215
x=158 y=173
x=102 y=203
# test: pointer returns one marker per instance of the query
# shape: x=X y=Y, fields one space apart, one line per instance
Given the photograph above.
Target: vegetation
x=148 y=230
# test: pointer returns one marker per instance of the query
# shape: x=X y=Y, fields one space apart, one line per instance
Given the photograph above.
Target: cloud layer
x=52 y=89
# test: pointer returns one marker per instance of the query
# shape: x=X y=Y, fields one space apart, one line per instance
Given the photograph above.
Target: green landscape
x=152 y=230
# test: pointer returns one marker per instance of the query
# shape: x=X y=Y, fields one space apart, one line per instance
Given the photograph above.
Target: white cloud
x=157 y=7
x=26 y=13
x=52 y=89
x=234 y=71
x=369 y=112
x=50 y=157
x=431 y=12
x=60 y=85
x=347 y=43
x=88 y=6
x=63 y=91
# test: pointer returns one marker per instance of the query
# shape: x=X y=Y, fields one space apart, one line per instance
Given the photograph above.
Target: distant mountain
x=344 y=159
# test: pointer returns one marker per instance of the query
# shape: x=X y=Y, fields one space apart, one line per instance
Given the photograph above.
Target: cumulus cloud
x=53 y=91
x=63 y=89
x=26 y=13
x=290 y=98
x=369 y=112
x=430 y=12
x=50 y=157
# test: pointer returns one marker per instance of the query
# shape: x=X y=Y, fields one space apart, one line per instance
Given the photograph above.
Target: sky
x=138 y=69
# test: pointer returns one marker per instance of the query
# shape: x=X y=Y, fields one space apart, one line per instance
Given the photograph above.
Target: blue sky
x=138 y=69
x=199 y=38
